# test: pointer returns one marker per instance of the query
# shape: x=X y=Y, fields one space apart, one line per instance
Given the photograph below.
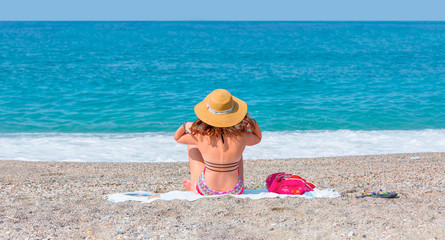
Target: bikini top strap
x=216 y=166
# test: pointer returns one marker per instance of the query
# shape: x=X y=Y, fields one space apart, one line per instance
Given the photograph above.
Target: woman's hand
x=187 y=126
x=249 y=128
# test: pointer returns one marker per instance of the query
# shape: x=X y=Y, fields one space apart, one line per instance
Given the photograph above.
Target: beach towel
x=148 y=197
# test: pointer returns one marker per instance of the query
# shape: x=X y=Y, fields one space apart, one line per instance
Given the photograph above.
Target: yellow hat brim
x=226 y=120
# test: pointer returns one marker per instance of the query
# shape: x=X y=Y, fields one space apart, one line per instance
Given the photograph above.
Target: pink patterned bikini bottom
x=203 y=189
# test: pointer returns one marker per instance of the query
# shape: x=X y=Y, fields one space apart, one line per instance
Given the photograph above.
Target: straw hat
x=221 y=109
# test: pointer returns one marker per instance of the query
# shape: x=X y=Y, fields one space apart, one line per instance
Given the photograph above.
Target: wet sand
x=60 y=200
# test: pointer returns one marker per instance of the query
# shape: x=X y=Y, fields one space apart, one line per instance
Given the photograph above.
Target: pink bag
x=283 y=183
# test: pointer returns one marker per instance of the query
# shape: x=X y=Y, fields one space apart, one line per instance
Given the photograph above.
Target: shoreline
x=160 y=146
x=65 y=200
x=268 y=159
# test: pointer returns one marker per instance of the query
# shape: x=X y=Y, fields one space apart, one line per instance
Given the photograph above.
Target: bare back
x=215 y=151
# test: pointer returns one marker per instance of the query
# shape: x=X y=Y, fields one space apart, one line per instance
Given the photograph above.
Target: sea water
x=116 y=91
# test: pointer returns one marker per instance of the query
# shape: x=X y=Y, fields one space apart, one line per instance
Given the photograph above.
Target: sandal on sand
x=380 y=194
x=366 y=194
x=386 y=194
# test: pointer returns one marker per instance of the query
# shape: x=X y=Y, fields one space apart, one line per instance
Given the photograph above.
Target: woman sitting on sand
x=216 y=142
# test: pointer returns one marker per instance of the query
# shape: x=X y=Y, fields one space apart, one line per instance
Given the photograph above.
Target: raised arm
x=182 y=134
x=255 y=136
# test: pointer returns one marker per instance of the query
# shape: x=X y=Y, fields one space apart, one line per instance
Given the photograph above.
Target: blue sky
x=222 y=10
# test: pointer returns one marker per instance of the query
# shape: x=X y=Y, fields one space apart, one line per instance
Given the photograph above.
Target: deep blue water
x=147 y=76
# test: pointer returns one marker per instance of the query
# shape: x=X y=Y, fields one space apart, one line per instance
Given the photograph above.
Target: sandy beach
x=63 y=200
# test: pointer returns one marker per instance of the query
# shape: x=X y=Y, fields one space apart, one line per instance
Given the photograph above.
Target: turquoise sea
x=88 y=82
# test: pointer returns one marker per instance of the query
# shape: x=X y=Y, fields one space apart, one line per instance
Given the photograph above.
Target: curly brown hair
x=200 y=127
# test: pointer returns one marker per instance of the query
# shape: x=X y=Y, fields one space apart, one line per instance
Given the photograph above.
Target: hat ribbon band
x=220 y=112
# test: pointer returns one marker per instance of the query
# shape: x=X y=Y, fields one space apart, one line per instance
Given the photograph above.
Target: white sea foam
x=160 y=147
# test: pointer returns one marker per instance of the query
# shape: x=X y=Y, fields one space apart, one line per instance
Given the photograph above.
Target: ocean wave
x=160 y=146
